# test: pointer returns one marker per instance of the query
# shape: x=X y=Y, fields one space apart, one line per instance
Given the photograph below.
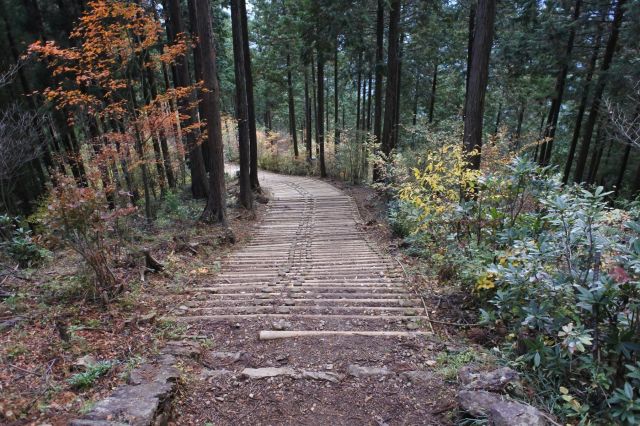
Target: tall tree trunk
x=470 y=40
x=474 y=105
x=416 y=91
x=583 y=104
x=392 y=81
x=198 y=74
x=320 y=123
x=358 y=92
x=597 y=153
x=242 y=108
x=315 y=102
x=498 y=117
x=396 y=119
x=377 y=120
x=432 y=98
x=292 y=110
x=199 y=187
x=599 y=90
x=516 y=143
x=623 y=168
x=336 y=128
x=369 y=90
x=253 y=137
x=139 y=146
x=307 y=116
x=215 y=210
x=556 y=102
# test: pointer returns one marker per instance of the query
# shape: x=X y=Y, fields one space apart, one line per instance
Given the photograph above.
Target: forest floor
x=316 y=258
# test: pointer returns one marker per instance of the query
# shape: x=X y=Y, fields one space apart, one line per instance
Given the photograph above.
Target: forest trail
x=310 y=262
x=310 y=266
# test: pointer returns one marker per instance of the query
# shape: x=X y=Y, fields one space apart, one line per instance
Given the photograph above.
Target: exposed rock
x=321 y=375
x=495 y=380
x=10 y=323
x=182 y=348
x=261 y=373
x=281 y=325
x=419 y=376
x=212 y=374
x=477 y=403
x=228 y=357
x=84 y=362
x=510 y=413
x=412 y=326
x=360 y=371
x=136 y=405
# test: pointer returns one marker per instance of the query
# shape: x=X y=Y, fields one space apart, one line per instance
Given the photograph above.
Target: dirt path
x=310 y=267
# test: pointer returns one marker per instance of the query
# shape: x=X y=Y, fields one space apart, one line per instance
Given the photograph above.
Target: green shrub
x=18 y=243
x=87 y=378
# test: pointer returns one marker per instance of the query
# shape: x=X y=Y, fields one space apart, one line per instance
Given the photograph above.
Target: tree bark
x=253 y=137
x=583 y=105
x=307 y=116
x=432 y=98
x=242 y=108
x=470 y=38
x=392 y=80
x=377 y=120
x=556 y=102
x=198 y=76
x=215 y=210
x=474 y=105
x=336 y=128
x=320 y=123
x=199 y=187
x=599 y=90
x=292 y=110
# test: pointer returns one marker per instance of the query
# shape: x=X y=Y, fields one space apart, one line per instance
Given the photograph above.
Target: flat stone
x=10 y=323
x=289 y=302
x=227 y=356
x=410 y=312
x=281 y=325
x=322 y=375
x=206 y=373
x=282 y=310
x=181 y=348
x=137 y=405
x=477 y=403
x=495 y=380
x=511 y=413
x=261 y=373
x=84 y=362
x=361 y=371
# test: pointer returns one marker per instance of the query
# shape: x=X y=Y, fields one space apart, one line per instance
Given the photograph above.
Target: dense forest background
x=566 y=71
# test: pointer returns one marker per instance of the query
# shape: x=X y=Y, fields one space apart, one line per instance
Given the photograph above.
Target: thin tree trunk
x=292 y=111
x=414 y=121
x=199 y=187
x=599 y=90
x=358 y=92
x=320 y=124
x=377 y=120
x=516 y=144
x=396 y=119
x=474 y=106
x=623 y=168
x=432 y=98
x=369 y=91
x=336 y=128
x=583 y=105
x=307 y=116
x=315 y=102
x=556 y=102
x=215 y=210
x=392 y=81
